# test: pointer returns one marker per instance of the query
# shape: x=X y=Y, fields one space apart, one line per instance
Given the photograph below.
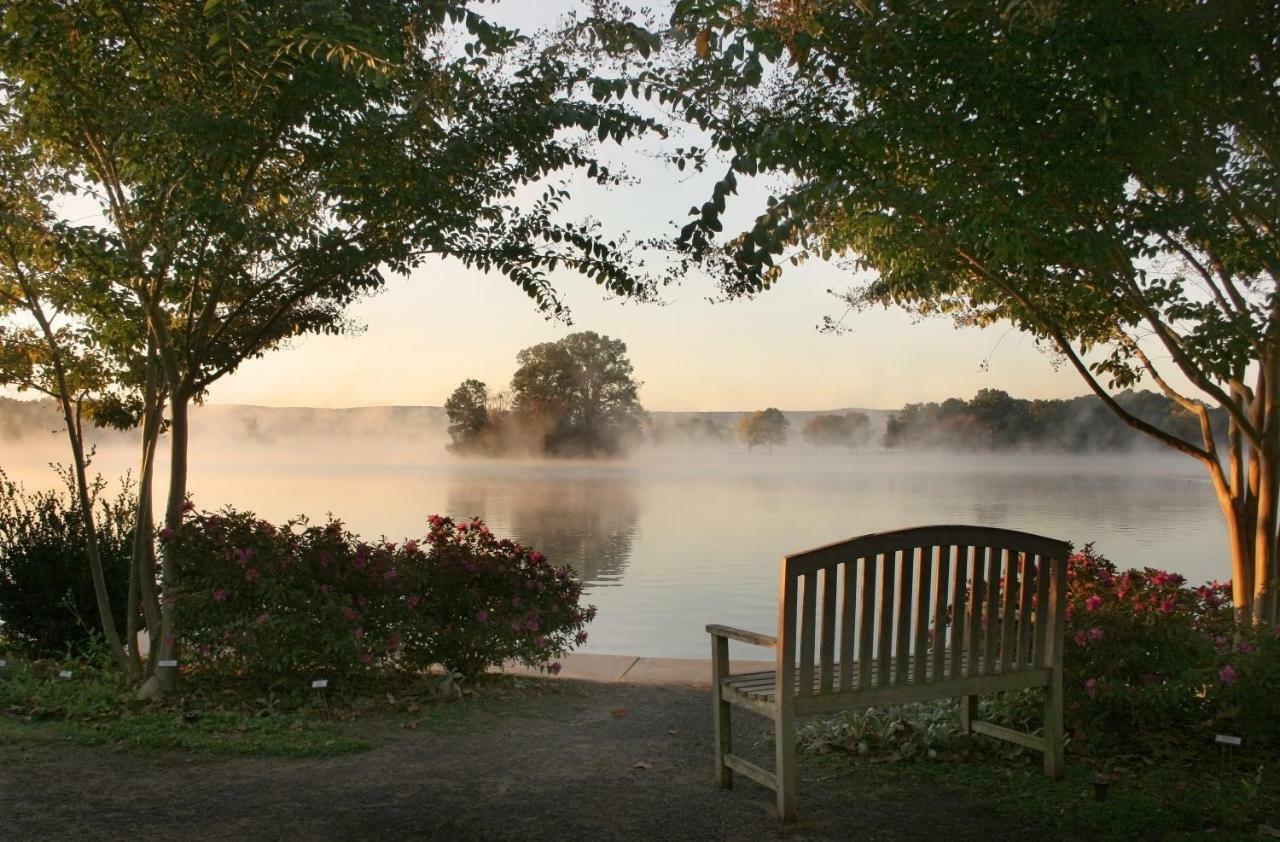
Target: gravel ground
x=583 y=762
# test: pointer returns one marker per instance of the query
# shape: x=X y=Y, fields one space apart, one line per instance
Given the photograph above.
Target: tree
x=468 y=412
x=853 y=429
x=1104 y=178
x=765 y=426
x=581 y=390
x=259 y=166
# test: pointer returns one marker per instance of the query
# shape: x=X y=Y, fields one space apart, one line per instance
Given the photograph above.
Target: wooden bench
x=906 y=616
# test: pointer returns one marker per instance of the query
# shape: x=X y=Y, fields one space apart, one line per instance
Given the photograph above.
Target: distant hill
x=20 y=418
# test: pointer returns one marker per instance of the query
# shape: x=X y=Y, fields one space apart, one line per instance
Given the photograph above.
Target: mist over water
x=671 y=539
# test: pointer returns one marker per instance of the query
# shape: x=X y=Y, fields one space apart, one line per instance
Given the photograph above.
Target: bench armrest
x=745 y=636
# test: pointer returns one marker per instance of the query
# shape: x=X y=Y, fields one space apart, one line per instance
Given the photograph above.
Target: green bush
x=268 y=602
x=47 y=603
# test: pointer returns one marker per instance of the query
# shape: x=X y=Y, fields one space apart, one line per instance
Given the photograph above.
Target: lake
x=668 y=541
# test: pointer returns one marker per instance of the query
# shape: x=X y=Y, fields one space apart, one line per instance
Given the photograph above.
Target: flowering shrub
x=269 y=601
x=273 y=600
x=1147 y=655
x=489 y=600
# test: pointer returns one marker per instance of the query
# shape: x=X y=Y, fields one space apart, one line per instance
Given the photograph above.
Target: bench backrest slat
x=828 y=656
x=918 y=606
x=991 y=631
x=848 y=623
x=884 y=632
x=866 y=627
x=974 y=623
x=807 y=632
x=924 y=579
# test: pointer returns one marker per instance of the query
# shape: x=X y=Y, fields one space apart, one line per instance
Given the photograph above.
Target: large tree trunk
x=144 y=556
x=179 y=433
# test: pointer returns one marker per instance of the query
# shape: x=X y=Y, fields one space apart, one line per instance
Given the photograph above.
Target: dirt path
x=585 y=762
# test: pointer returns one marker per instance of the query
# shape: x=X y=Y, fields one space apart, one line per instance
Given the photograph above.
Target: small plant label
x=169 y=663
x=3 y=664
x=320 y=684
x=65 y=674
x=1227 y=740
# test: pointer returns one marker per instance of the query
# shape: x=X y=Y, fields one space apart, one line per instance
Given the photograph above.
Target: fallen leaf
x=644 y=764
x=619 y=712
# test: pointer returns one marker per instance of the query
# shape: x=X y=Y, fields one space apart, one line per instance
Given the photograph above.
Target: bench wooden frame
x=905 y=616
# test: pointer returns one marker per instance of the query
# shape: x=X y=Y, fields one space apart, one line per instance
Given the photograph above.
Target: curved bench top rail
x=875 y=543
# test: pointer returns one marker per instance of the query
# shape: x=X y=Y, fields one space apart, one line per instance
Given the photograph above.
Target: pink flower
x=324 y=589
x=394 y=643
x=263 y=619
x=242 y=555
x=1092 y=603
x=362 y=601
x=188 y=506
x=1227 y=675
x=1091 y=687
x=531 y=624
x=1095 y=633
x=1167 y=606
x=366 y=658
x=410 y=546
x=348 y=612
x=1080 y=638
x=205 y=650
x=554 y=668
x=540 y=641
x=220 y=594
x=166 y=534
x=481 y=616
x=1246 y=647
x=581 y=637
x=536 y=557
x=251 y=574
x=413 y=601
x=359 y=634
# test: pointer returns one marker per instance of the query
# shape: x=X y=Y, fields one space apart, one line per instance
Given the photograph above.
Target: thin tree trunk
x=144 y=557
x=179 y=431
x=75 y=435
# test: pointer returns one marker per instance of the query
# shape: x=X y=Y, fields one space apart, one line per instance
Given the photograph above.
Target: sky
x=427 y=332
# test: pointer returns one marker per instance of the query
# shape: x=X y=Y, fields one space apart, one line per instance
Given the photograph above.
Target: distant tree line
x=574 y=397
x=994 y=420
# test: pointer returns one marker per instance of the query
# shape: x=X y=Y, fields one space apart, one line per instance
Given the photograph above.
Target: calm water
x=668 y=542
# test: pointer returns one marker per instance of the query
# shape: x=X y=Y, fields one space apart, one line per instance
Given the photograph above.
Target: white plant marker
x=319 y=684
x=168 y=663
x=65 y=674
x=3 y=663
x=1227 y=740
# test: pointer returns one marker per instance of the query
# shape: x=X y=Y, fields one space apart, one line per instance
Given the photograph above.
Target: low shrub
x=268 y=602
x=47 y=603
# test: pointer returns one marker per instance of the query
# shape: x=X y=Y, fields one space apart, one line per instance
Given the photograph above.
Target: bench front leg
x=720 y=710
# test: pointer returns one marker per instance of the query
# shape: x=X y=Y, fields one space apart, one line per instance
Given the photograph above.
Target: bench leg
x=968 y=713
x=1054 y=737
x=720 y=710
x=784 y=734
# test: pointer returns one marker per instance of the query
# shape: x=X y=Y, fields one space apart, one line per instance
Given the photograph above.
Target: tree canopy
x=258 y=166
x=851 y=429
x=764 y=427
x=1103 y=177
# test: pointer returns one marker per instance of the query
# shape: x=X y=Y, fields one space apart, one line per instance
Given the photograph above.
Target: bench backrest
x=922 y=605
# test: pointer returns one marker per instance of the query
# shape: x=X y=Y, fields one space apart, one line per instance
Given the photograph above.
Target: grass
x=94 y=706
x=1177 y=798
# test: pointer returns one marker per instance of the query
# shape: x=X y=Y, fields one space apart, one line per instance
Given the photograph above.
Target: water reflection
x=590 y=523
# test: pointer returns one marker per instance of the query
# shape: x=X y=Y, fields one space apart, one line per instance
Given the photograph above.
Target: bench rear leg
x=1054 y=737
x=968 y=713
x=720 y=710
